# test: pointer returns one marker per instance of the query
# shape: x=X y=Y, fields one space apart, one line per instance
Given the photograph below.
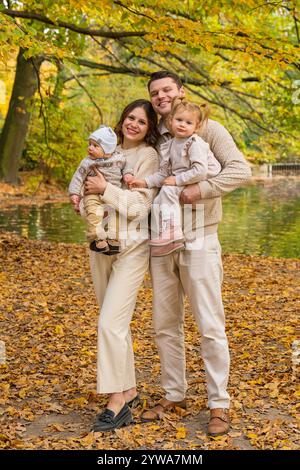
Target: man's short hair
x=165 y=74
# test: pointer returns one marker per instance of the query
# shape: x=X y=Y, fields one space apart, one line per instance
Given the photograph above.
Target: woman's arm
x=134 y=203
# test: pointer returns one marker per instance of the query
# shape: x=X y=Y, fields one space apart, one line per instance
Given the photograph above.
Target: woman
x=117 y=278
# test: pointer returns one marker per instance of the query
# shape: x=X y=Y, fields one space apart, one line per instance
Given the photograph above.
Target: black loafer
x=108 y=253
x=93 y=247
x=108 y=421
x=114 y=249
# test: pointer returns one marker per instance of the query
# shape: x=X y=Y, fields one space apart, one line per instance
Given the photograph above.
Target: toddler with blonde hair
x=185 y=159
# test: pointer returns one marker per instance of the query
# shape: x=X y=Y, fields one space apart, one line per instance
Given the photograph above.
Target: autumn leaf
x=181 y=433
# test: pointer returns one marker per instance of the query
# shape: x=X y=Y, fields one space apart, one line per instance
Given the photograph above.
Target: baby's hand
x=128 y=178
x=138 y=184
x=170 y=181
x=75 y=200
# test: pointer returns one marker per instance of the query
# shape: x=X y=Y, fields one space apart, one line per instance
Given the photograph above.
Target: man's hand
x=128 y=178
x=170 y=181
x=190 y=194
x=95 y=184
x=75 y=200
x=138 y=184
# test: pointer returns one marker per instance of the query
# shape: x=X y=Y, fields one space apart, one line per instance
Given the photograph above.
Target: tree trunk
x=17 y=120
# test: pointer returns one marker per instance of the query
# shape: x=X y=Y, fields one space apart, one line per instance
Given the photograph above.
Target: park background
x=68 y=66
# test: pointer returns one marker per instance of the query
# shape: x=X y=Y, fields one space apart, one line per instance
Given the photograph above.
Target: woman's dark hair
x=152 y=135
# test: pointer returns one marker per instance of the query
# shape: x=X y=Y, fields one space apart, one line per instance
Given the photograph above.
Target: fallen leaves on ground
x=49 y=316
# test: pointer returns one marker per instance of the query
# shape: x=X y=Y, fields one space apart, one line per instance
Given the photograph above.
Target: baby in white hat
x=112 y=164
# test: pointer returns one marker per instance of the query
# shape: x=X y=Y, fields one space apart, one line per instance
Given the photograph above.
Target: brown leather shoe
x=158 y=411
x=218 y=422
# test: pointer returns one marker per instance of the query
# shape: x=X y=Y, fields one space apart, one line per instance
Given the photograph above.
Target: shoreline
x=31 y=191
x=32 y=242
x=42 y=193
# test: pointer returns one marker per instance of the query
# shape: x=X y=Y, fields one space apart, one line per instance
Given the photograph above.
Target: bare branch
x=135 y=12
x=87 y=31
x=112 y=69
x=229 y=108
x=88 y=75
x=109 y=52
x=89 y=95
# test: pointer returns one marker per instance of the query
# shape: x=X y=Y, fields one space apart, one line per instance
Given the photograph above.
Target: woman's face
x=135 y=127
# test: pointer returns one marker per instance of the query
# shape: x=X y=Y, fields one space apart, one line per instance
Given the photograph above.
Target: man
x=194 y=271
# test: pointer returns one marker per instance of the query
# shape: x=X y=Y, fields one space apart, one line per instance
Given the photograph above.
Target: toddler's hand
x=170 y=181
x=128 y=178
x=75 y=200
x=138 y=184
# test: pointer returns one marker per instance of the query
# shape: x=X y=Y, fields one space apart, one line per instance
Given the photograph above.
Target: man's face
x=162 y=92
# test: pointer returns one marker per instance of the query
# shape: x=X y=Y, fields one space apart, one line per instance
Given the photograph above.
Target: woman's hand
x=95 y=184
x=170 y=181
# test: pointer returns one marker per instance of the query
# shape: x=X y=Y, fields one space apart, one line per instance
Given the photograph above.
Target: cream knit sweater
x=136 y=203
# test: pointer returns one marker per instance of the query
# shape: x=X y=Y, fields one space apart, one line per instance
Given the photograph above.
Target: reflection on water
x=257 y=219
x=54 y=222
x=263 y=220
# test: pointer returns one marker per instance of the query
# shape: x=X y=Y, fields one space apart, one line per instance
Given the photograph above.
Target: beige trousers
x=198 y=274
x=116 y=281
x=94 y=210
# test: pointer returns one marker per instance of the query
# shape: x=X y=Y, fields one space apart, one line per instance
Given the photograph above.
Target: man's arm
x=235 y=169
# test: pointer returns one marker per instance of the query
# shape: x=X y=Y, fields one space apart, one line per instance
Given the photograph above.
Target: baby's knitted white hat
x=105 y=137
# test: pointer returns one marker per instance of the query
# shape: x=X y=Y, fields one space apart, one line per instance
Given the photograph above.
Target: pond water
x=261 y=219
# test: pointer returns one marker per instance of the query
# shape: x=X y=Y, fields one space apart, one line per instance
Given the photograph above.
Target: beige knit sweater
x=235 y=171
x=136 y=203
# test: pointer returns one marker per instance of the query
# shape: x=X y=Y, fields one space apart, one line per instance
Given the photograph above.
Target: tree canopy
x=242 y=57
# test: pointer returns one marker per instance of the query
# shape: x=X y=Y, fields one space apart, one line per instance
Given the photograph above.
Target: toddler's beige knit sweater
x=235 y=171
